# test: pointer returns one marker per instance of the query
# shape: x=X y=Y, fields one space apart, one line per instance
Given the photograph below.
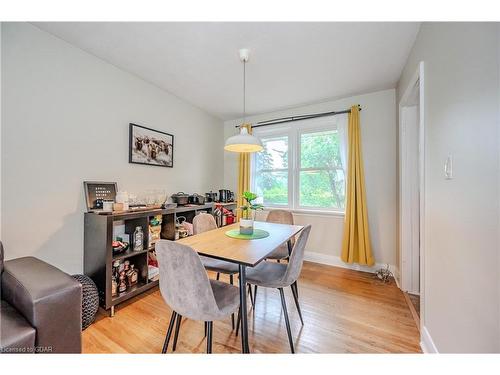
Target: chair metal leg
x=169 y=332
x=251 y=295
x=209 y=337
x=287 y=322
x=238 y=322
x=231 y=279
x=205 y=329
x=254 y=296
x=218 y=275
x=296 y=289
x=294 y=292
x=243 y=306
x=176 y=335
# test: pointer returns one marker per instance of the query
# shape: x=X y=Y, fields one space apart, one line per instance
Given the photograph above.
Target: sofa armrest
x=49 y=299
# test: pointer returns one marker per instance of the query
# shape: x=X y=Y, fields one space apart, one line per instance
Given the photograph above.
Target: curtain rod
x=283 y=120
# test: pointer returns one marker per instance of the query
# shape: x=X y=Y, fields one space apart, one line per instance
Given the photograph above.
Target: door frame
x=417 y=79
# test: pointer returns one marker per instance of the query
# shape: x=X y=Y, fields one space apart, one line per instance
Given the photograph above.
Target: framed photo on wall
x=150 y=147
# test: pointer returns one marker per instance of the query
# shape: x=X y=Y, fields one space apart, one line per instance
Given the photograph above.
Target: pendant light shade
x=243 y=142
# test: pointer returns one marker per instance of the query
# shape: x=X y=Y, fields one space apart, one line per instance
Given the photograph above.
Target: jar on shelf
x=116 y=270
x=122 y=197
x=138 y=239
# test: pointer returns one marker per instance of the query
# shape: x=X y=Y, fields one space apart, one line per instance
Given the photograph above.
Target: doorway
x=411 y=193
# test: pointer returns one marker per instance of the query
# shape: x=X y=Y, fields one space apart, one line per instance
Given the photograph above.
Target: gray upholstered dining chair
x=186 y=288
x=281 y=252
x=202 y=223
x=280 y=275
x=280 y=217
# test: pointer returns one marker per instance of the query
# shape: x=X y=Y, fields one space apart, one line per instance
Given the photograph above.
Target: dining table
x=244 y=252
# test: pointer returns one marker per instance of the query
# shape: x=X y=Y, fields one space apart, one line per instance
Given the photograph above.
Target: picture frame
x=150 y=146
x=97 y=191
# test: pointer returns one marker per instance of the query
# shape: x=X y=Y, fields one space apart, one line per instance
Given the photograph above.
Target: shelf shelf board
x=138 y=288
x=128 y=254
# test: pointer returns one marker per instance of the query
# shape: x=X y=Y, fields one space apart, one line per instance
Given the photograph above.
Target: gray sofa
x=40 y=308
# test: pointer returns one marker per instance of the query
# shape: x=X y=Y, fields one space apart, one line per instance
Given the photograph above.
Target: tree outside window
x=317 y=177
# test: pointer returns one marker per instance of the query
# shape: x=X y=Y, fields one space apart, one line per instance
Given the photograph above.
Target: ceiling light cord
x=243 y=142
x=244 y=91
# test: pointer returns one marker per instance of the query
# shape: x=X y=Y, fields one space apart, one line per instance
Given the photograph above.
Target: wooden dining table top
x=216 y=244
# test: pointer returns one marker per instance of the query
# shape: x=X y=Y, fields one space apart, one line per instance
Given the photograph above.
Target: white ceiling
x=290 y=63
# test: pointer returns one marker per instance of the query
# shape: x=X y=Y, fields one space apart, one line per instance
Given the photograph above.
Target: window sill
x=306 y=212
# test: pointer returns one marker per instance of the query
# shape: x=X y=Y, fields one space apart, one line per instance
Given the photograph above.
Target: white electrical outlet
x=448 y=168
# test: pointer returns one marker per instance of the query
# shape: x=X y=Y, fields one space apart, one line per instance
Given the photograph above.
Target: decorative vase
x=246 y=226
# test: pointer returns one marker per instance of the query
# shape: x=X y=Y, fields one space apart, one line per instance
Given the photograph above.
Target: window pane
x=322 y=189
x=320 y=150
x=273 y=187
x=274 y=155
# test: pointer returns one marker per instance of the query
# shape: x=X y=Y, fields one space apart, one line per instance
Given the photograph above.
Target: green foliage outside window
x=322 y=183
x=320 y=178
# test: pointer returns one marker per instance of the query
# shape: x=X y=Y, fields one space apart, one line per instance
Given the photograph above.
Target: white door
x=410 y=197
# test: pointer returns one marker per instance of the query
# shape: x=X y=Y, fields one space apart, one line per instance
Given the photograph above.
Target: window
x=321 y=176
x=300 y=167
x=271 y=171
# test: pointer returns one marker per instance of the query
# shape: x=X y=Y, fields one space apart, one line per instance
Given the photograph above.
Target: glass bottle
x=116 y=270
x=138 y=239
x=132 y=276
x=122 y=287
x=114 y=287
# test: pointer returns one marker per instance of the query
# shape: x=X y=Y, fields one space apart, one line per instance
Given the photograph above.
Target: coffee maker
x=226 y=196
x=211 y=197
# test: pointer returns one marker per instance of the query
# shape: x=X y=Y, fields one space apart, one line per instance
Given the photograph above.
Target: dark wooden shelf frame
x=98 y=250
x=129 y=253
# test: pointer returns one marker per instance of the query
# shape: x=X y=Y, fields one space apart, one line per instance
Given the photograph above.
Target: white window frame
x=294 y=131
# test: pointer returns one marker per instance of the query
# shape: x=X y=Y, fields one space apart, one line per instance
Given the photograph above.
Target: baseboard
x=413 y=311
x=333 y=260
x=426 y=342
x=396 y=276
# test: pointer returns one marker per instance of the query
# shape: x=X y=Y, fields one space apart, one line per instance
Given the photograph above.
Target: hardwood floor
x=344 y=311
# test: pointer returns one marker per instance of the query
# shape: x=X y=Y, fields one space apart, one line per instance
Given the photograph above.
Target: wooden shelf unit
x=98 y=250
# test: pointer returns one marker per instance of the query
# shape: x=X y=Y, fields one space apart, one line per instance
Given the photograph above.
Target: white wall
x=65 y=120
x=461 y=215
x=0 y=130
x=498 y=168
x=378 y=132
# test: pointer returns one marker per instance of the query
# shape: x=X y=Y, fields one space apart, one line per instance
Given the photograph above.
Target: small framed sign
x=97 y=192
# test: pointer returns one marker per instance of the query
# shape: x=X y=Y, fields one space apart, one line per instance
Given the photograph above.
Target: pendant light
x=243 y=142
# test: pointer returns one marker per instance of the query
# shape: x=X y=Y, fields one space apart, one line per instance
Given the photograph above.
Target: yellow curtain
x=356 y=246
x=243 y=175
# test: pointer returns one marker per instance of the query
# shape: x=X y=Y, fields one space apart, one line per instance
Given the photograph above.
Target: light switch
x=448 y=168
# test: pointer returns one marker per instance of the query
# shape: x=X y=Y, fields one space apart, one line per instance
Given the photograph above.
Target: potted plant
x=248 y=212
